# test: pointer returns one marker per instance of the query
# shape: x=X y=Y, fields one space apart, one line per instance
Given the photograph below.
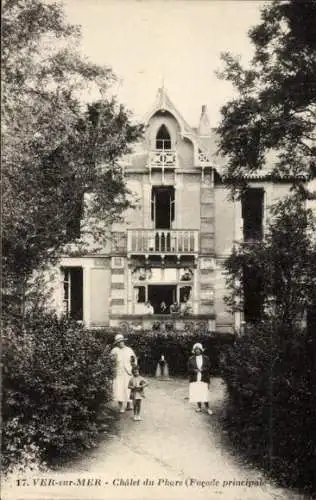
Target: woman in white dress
x=125 y=359
x=199 y=377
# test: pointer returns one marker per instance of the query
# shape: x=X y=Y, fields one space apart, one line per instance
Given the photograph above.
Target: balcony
x=162 y=158
x=202 y=159
x=164 y=324
x=153 y=241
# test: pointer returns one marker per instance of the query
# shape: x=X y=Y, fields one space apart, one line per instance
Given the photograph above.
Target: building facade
x=164 y=262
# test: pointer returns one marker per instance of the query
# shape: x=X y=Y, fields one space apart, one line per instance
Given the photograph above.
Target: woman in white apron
x=125 y=359
x=199 y=377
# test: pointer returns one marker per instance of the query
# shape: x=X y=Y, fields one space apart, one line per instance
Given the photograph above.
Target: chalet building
x=164 y=263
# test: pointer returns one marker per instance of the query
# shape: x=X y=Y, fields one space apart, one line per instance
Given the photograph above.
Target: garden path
x=172 y=443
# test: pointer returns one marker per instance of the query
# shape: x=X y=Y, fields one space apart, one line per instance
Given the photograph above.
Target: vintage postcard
x=158 y=248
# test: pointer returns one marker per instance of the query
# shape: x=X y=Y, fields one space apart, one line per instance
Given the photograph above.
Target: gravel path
x=175 y=451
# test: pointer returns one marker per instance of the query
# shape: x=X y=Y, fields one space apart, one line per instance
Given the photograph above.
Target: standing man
x=125 y=359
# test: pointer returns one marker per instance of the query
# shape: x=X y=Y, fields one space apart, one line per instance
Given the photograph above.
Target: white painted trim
x=238 y=226
x=130 y=291
x=86 y=299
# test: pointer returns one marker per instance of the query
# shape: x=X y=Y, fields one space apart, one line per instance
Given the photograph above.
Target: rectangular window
x=73 y=292
x=252 y=203
x=253 y=297
x=163 y=206
x=185 y=293
x=163 y=144
x=140 y=294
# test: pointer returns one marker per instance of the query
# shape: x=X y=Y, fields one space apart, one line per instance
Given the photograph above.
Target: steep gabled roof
x=205 y=140
x=164 y=103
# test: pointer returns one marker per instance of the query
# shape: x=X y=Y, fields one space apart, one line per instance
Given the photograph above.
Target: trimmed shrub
x=56 y=379
x=269 y=415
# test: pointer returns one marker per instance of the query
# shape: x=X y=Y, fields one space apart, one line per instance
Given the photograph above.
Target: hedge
x=56 y=380
x=269 y=416
x=176 y=347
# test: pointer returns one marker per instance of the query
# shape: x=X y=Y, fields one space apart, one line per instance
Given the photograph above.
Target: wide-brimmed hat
x=197 y=346
x=119 y=338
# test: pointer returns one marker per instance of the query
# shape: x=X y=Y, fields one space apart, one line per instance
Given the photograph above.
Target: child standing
x=136 y=386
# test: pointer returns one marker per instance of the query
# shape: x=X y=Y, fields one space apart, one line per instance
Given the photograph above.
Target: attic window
x=163 y=139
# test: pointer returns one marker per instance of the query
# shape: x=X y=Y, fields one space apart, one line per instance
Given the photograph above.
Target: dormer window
x=163 y=139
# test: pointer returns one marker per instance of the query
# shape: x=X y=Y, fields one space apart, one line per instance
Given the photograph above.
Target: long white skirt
x=121 y=392
x=198 y=392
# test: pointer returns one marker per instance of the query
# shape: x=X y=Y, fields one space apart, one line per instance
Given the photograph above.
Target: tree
x=55 y=149
x=270 y=368
x=285 y=260
x=275 y=109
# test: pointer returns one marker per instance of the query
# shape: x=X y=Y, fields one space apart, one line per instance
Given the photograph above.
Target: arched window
x=163 y=139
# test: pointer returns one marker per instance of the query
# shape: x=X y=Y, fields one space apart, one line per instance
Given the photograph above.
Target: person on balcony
x=186 y=306
x=149 y=308
x=124 y=358
x=163 y=307
x=199 y=377
x=174 y=308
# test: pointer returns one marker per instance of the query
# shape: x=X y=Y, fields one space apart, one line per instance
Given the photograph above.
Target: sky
x=175 y=43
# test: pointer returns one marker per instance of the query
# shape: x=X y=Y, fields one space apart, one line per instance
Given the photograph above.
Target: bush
x=56 y=378
x=175 y=346
x=269 y=415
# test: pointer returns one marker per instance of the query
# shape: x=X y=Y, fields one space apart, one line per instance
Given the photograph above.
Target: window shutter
x=172 y=206
x=153 y=205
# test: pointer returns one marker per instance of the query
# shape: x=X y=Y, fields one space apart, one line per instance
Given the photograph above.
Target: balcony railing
x=162 y=158
x=203 y=159
x=162 y=241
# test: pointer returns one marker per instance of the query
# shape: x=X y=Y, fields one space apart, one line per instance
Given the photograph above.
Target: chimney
x=204 y=126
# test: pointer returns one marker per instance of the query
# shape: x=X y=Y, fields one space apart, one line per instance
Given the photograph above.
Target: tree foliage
x=55 y=148
x=273 y=117
x=269 y=417
x=285 y=263
x=56 y=381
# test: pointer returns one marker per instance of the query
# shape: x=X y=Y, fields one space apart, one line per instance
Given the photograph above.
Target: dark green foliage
x=270 y=370
x=270 y=413
x=275 y=108
x=285 y=260
x=56 y=149
x=56 y=379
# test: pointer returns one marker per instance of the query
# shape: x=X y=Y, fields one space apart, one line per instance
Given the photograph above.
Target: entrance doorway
x=159 y=294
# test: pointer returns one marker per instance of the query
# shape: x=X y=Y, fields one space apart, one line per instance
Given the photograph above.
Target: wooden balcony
x=162 y=158
x=203 y=158
x=162 y=241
